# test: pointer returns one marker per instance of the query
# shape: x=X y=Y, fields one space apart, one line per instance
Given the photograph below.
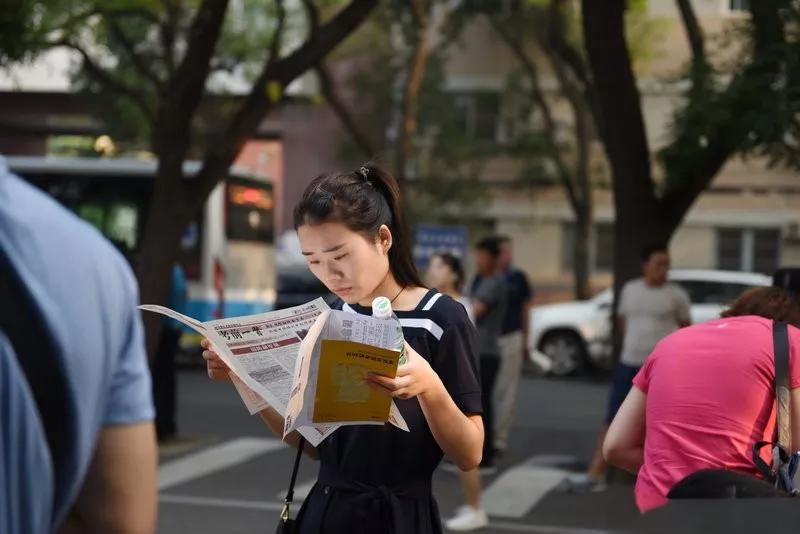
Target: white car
x=563 y=338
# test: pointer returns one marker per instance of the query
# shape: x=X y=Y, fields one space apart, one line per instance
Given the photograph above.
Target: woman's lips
x=343 y=291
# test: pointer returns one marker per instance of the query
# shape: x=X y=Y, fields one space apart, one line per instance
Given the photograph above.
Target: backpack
x=37 y=353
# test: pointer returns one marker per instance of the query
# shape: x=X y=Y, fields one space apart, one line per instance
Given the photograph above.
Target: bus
x=227 y=251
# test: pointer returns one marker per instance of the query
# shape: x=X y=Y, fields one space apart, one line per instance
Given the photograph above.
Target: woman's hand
x=217 y=369
x=415 y=377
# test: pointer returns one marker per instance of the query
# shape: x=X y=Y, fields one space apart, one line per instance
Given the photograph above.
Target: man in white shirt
x=649 y=309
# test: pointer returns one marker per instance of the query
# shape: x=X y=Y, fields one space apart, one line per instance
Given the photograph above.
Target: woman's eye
x=340 y=257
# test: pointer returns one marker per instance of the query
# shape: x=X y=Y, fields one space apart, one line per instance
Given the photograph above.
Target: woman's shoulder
x=447 y=311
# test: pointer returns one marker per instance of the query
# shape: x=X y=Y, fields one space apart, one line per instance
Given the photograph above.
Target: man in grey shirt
x=489 y=301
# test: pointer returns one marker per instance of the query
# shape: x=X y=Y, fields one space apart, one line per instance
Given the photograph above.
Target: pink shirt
x=709 y=399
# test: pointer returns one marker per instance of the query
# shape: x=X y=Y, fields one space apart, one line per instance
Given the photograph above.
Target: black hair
x=455 y=265
x=490 y=245
x=362 y=200
x=653 y=248
x=503 y=239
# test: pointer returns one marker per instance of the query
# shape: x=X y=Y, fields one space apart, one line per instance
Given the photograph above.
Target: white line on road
x=543 y=529
x=277 y=506
x=301 y=491
x=220 y=503
x=517 y=490
x=214 y=459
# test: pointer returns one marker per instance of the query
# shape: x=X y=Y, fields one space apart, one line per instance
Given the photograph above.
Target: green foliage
x=742 y=107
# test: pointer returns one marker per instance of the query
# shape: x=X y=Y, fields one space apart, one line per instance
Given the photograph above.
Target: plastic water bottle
x=382 y=309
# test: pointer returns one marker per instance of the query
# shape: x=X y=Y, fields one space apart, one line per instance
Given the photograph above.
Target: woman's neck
x=405 y=298
x=388 y=288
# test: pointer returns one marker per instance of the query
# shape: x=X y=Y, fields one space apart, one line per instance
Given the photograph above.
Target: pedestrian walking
x=378 y=478
x=77 y=444
x=706 y=396
x=513 y=340
x=489 y=301
x=649 y=309
x=446 y=275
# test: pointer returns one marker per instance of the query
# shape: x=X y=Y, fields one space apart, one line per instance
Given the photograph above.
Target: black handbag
x=778 y=477
x=287 y=525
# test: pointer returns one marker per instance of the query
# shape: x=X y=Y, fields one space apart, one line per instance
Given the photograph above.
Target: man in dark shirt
x=489 y=301
x=512 y=343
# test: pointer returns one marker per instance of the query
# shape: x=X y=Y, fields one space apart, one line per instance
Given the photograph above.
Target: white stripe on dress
x=431 y=302
x=427 y=324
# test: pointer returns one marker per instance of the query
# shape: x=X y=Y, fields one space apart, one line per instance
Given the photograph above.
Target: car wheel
x=566 y=351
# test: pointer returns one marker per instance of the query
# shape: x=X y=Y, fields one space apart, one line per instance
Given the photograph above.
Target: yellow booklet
x=342 y=394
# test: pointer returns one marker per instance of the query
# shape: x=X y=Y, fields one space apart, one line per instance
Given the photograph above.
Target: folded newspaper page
x=262 y=352
x=335 y=357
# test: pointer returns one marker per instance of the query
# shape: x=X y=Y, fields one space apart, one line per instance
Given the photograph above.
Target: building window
x=478 y=114
x=602 y=247
x=748 y=249
x=738 y=5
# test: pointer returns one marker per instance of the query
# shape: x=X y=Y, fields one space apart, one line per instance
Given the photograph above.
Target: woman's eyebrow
x=332 y=249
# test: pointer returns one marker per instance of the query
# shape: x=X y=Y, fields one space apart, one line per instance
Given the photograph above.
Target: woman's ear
x=384 y=238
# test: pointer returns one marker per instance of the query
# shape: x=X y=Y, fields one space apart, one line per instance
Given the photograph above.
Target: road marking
x=301 y=491
x=220 y=503
x=544 y=529
x=214 y=459
x=517 y=490
x=192 y=500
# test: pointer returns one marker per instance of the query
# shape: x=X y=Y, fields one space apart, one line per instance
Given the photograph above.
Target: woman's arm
x=219 y=371
x=624 y=443
x=460 y=436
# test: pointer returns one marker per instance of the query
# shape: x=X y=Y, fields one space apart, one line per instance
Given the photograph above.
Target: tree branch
x=416 y=72
x=183 y=91
x=694 y=33
x=277 y=38
x=135 y=58
x=337 y=103
x=725 y=132
x=537 y=95
x=329 y=91
x=219 y=156
x=105 y=78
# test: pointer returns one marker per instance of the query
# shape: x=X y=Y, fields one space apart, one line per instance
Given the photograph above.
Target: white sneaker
x=467 y=518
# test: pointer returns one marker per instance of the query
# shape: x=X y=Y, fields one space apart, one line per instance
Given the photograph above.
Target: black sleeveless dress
x=377 y=479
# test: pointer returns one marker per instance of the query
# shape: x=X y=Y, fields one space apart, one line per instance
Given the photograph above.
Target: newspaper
x=261 y=351
x=364 y=332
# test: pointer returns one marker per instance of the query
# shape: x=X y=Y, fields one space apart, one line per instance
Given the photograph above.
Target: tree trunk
x=159 y=251
x=581 y=268
x=416 y=73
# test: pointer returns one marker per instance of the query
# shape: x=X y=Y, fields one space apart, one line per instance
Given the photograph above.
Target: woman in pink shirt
x=705 y=396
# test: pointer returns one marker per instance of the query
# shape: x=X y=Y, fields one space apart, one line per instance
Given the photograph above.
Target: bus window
x=118 y=221
x=249 y=211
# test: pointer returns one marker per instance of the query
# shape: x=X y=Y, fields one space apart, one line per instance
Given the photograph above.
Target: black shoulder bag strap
x=783 y=434
x=22 y=322
x=286 y=523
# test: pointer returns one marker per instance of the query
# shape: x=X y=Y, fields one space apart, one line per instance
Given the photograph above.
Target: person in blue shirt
x=87 y=297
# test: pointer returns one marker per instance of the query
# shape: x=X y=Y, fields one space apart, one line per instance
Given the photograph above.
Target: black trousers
x=489 y=367
x=164 y=383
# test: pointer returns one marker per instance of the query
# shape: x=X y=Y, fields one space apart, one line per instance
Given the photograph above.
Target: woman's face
x=439 y=275
x=349 y=265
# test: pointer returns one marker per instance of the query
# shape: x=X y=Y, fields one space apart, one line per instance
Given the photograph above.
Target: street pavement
x=227 y=474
